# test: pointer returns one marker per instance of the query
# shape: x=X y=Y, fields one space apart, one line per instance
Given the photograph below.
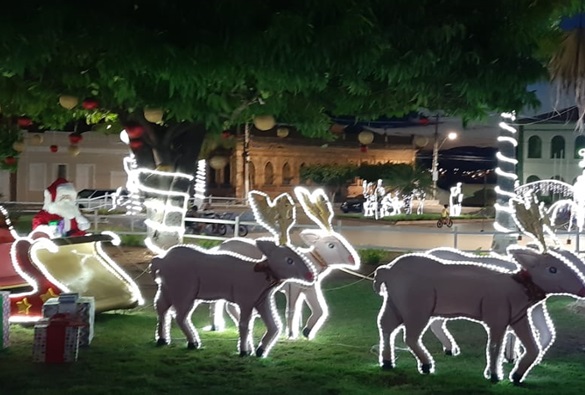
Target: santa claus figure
x=60 y=209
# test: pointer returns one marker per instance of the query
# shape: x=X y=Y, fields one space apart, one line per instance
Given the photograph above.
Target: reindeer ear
x=309 y=236
x=266 y=246
x=527 y=257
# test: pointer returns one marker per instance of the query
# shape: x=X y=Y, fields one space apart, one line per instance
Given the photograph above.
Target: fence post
x=95 y=220
x=237 y=226
x=455 y=241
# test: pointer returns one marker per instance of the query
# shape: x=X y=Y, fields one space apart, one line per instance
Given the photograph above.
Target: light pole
x=436 y=147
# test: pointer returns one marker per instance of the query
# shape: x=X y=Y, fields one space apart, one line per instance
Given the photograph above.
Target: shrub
x=371 y=256
x=132 y=240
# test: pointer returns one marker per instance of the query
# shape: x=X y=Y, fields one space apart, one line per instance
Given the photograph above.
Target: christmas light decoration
x=199 y=188
x=507 y=170
x=250 y=283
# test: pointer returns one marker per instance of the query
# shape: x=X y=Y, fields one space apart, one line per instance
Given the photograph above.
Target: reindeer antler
x=317 y=207
x=277 y=216
x=531 y=217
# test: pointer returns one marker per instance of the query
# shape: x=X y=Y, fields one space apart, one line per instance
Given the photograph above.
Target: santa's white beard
x=65 y=209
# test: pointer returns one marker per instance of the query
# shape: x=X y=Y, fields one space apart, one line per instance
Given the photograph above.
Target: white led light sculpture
x=188 y=275
x=445 y=285
x=133 y=202
x=455 y=199
x=200 y=184
x=328 y=250
x=506 y=170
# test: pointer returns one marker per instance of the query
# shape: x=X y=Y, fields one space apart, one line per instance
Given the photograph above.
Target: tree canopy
x=221 y=62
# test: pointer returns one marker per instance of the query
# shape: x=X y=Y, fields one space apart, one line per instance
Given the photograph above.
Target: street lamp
x=436 y=147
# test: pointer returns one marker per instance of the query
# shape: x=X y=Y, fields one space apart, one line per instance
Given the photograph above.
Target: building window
x=557 y=147
x=286 y=177
x=268 y=174
x=532 y=179
x=534 y=147
x=579 y=145
x=558 y=178
x=62 y=171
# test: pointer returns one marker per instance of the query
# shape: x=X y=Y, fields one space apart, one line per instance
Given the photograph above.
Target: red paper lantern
x=24 y=122
x=134 y=131
x=75 y=138
x=90 y=104
x=423 y=121
x=135 y=144
x=10 y=160
x=54 y=148
x=364 y=148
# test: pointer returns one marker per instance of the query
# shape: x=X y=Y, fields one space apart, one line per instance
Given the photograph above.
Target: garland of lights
x=506 y=169
x=233 y=277
x=200 y=184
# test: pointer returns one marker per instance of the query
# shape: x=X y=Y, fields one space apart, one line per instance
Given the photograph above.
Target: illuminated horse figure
x=188 y=275
x=327 y=250
x=419 y=288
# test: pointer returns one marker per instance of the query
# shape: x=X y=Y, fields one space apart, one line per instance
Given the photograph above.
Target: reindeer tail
x=379 y=280
x=154 y=267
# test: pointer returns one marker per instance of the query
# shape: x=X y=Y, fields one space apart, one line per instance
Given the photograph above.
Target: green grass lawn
x=123 y=358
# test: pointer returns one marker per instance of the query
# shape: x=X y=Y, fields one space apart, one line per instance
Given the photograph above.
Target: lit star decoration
x=23 y=306
x=250 y=283
x=524 y=282
x=48 y=295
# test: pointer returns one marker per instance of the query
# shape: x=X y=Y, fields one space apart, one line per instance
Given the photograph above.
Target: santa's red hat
x=56 y=188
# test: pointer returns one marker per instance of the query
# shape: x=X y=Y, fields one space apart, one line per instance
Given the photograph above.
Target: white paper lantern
x=154 y=115
x=264 y=122
x=36 y=139
x=73 y=150
x=282 y=132
x=18 y=146
x=68 y=102
x=421 y=141
x=218 y=162
x=366 y=137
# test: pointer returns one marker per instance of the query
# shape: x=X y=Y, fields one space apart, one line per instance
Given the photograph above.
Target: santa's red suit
x=60 y=205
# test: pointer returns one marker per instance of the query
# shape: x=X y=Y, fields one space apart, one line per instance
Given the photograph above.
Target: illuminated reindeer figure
x=327 y=250
x=419 y=288
x=188 y=275
x=531 y=218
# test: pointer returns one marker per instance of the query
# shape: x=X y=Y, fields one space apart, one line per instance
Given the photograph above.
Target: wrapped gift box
x=82 y=308
x=56 y=340
x=4 y=317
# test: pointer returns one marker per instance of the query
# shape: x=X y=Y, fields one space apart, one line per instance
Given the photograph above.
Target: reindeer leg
x=234 y=312
x=414 y=328
x=439 y=329
x=532 y=352
x=494 y=350
x=216 y=311
x=294 y=309
x=162 y=305
x=183 y=318
x=542 y=322
x=244 y=343
x=269 y=316
x=319 y=310
x=389 y=324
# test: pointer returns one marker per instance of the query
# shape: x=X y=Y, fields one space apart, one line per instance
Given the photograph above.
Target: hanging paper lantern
x=68 y=102
x=24 y=122
x=135 y=144
x=75 y=138
x=73 y=150
x=18 y=146
x=421 y=141
x=154 y=115
x=134 y=131
x=90 y=104
x=264 y=122
x=282 y=132
x=54 y=148
x=364 y=148
x=36 y=139
x=218 y=162
x=366 y=137
x=10 y=160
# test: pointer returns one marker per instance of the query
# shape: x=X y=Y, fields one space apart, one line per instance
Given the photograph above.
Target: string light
x=503 y=195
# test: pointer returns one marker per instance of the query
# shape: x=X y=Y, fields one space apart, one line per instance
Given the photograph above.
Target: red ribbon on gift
x=56 y=335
